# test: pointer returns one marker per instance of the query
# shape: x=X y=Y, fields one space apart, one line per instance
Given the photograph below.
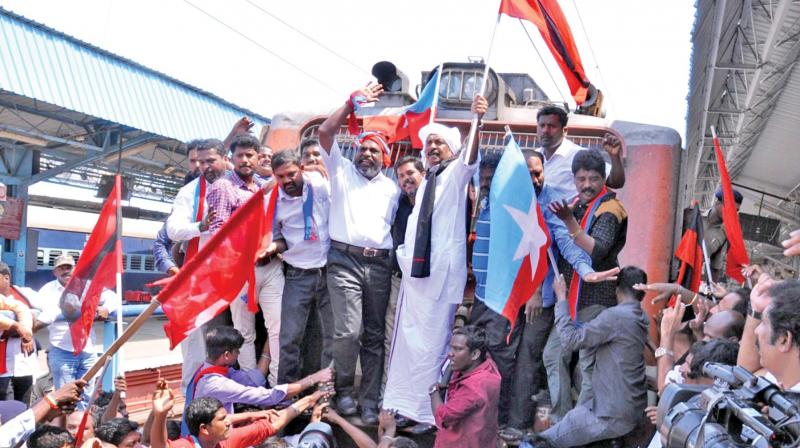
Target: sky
x=637 y=51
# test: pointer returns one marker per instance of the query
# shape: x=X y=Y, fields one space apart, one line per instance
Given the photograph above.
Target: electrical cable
x=591 y=49
x=281 y=58
x=563 y=98
x=300 y=32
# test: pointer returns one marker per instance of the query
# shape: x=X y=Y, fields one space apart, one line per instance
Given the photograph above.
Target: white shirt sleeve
x=17 y=429
x=334 y=161
x=181 y=225
x=110 y=300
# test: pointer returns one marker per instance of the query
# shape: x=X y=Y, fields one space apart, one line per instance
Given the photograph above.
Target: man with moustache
x=514 y=356
x=301 y=236
x=433 y=261
x=64 y=365
x=188 y=225
x=559 y=151
x=598 y=223
x=225 y=196
x=264 y=166
x=363 y=206
x=409 y=171
x=310 y=152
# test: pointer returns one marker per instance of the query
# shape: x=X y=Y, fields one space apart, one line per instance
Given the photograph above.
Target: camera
x=728 y=413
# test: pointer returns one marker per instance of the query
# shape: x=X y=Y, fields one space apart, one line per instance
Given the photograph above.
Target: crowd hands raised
x=345 y=262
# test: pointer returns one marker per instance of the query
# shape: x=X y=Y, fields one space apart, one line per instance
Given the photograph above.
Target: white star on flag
x=532 y=236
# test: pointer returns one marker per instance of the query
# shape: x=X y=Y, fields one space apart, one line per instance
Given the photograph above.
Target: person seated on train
x=218 y=379
x=64 y=365
x=714 y=234
x=559 y=151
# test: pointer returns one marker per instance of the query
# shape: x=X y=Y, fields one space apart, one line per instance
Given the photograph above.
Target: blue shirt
x=564 y=245
x=480 y=251
x=161 y=250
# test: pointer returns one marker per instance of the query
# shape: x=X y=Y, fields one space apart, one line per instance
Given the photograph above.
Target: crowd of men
x=359 y=291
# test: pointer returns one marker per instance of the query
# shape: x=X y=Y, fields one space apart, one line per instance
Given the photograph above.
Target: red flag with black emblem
x=737 y=257
x=690 y=253
x=95 y=271
x=550 y=20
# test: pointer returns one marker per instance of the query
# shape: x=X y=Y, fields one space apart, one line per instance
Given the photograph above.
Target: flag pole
x=118 y=254
x=436 y=93
x=550 y=256
x=474 y=123
x=122 y=339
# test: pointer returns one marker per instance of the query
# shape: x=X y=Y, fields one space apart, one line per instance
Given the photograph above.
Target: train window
x=149 y=263
x=124 y=262
x=51 y=258
x=39 y=257
x=136 y=262
x=75 y=255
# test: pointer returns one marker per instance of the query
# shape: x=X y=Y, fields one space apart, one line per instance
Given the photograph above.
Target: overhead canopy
x=745 y=83
x=77 y=106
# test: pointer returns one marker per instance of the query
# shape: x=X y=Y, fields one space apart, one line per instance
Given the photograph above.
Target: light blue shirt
x=17 y=429
x=564 y=245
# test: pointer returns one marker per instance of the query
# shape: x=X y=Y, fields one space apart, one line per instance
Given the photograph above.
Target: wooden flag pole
x=122 y=339
x=473 y=127
x=435 y=105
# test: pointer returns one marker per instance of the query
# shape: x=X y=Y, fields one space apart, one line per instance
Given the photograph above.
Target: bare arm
x=479 y=107
x=613 y=146
x=360 y=438
x=329 y=128
x=759 y=300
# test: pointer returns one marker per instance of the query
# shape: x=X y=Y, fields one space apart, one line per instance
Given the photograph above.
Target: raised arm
x=479 y=106
x=613 y=146
x=329 y=128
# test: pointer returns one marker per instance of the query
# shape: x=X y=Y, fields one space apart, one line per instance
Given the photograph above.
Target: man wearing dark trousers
x=301 y=231
x=363 y=206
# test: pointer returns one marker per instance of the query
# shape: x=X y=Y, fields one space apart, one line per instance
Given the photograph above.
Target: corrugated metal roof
x=47 y=65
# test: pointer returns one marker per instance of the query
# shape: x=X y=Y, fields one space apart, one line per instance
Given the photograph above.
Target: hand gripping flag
x=95 y=271
x=550 y=20
x=737 y=257
x=397 y=123
x=690 y=253
x=518 y=237
x=210 y=281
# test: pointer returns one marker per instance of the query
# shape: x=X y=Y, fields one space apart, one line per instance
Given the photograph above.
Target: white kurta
x=426 y=306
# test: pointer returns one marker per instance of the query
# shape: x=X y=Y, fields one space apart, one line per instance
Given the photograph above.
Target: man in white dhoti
x=433 y=262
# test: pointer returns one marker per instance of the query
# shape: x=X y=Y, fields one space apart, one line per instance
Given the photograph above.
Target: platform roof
x=745 y=82
x=77 y=105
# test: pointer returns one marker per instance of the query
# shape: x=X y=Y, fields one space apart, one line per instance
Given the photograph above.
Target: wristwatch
x=755 y=314
x=433 y=389
x=661 y=351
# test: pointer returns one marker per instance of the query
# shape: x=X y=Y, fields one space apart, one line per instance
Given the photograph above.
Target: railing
x=490 y=141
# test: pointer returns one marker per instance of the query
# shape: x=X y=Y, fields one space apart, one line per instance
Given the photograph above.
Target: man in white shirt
x=363 y=206
x=188 y=225
x=20 y=363
x=301 y=232
x=64 y=365
x=551 y=128
x=429 y=295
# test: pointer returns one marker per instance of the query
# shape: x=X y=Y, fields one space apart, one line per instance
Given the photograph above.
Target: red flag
x=550 y=20
x=737 y=256
x=96 y=270
x=210 y=281
x=690 y=253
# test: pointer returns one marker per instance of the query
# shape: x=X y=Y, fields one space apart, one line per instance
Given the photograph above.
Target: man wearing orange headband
x=362 y=210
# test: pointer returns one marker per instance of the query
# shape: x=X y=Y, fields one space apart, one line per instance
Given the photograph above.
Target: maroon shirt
x=468 y=419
